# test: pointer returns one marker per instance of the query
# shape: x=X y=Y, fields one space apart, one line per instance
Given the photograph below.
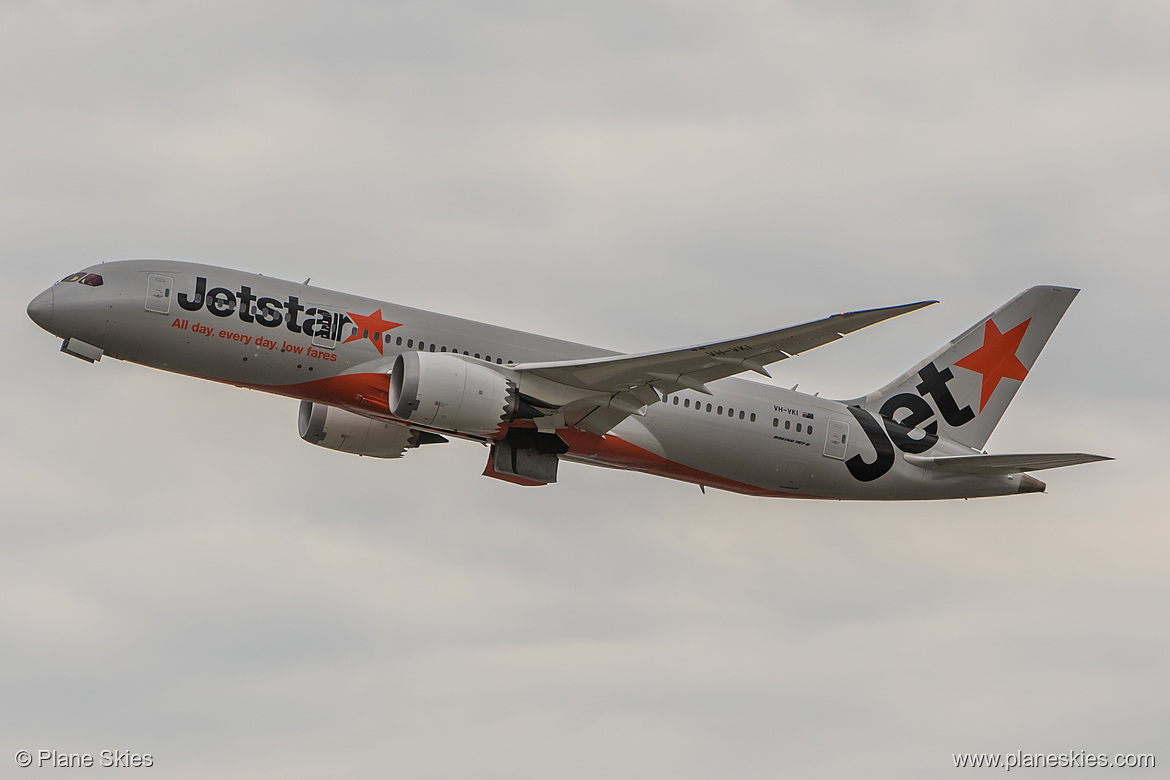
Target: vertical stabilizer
x=961 y=391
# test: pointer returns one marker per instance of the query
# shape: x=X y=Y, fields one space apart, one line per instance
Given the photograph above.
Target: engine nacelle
x=337 y=429
x=451 y=393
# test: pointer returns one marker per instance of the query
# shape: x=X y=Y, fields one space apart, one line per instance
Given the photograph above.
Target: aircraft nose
x=40 y=310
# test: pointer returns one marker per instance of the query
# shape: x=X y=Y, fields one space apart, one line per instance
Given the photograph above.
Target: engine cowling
x=337 y=429
x=451 y=393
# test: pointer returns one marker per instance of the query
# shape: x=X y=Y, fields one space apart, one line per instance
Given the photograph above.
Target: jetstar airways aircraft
x=377 y=379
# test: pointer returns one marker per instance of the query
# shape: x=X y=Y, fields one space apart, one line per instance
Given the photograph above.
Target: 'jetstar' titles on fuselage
x=318 y=323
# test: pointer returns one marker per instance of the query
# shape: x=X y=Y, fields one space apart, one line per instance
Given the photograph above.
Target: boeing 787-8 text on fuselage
x=377 y=379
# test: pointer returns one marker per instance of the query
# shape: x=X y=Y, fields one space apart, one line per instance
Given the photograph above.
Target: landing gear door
x=158 y=293
x=836 y=440
x=328 y=328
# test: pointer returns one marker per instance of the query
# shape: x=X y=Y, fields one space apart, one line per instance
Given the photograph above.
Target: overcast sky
x=180 y=575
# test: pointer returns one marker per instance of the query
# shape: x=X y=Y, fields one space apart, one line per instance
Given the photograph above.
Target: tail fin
x=962 y=390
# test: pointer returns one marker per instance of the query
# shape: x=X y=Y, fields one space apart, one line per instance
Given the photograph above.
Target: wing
x=598 y=393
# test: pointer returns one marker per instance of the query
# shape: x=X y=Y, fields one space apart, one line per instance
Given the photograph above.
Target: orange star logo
x=370 y=327
x=996 y=359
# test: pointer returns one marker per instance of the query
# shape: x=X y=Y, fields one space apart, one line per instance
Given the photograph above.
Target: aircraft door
x=836 y=440
x=328 y=329
x=158 y=293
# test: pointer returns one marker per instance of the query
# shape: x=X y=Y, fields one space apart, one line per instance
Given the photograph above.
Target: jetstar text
x=269 y=312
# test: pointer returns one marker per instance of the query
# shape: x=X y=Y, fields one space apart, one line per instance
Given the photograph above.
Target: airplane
x=377 y=379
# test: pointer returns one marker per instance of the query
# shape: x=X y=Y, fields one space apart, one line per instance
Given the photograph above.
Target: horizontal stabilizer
x=1003 y=464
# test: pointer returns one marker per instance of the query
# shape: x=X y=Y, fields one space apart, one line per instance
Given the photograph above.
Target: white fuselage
x=250 y=330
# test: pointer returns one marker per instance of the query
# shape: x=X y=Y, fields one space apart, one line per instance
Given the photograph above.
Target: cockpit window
x=91 y=280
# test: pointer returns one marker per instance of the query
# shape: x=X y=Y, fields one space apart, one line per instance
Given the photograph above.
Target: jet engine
x=337 y=429
x=453 y=393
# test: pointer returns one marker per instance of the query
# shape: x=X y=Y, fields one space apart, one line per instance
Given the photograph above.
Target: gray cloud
x=180 y=575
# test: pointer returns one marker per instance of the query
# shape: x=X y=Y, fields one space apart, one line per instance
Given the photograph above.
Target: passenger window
x=787 y=424
x=753 y=416
x=675 y=399
x=798 y=427
x=810 y=433
x=720 y=411
x=476 y=355
x=741 y=414
x=399 y=341
x=687 y=403
x=730 y=412
x=409 y=343
x=432 y=347
x=775 y=423
x=708 y=407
